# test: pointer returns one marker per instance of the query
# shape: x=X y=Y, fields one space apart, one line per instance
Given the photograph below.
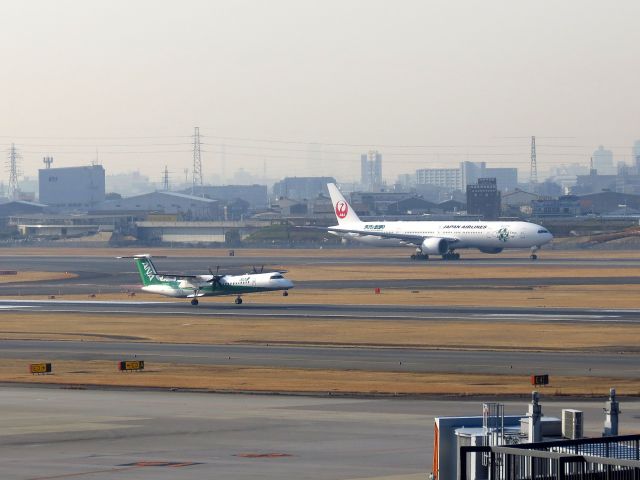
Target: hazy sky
x=455 y=78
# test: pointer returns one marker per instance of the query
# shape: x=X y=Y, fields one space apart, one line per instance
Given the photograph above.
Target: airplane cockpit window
x=277 y=276
x=543 y=231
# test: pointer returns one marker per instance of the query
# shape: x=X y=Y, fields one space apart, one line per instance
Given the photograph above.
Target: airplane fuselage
x=491 y=235
x=227 y=285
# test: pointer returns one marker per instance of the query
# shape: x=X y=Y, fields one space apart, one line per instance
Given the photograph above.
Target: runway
x=325 y=311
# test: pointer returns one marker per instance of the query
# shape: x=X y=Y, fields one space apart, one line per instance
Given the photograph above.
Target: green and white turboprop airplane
x=214 y=284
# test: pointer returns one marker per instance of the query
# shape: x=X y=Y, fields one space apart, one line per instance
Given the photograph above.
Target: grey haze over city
x=290 y=88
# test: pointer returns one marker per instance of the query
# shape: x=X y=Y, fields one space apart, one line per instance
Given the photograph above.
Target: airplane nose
x=288 y=284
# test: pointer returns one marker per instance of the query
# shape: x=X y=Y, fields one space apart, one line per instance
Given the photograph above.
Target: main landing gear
x=285 y=294
x=419 y=255
x=194 y=301
x=238 y=301
x=451 y=256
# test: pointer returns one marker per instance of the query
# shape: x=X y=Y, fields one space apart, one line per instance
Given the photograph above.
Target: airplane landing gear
x=419 y=255
x=194 y=301
x=285 y=294
x=238 y=301
x=533 y=255
x=451 y=256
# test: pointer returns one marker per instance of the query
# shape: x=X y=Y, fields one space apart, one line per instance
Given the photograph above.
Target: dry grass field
x=35 y=277
x=434 y=334
x=256 y=379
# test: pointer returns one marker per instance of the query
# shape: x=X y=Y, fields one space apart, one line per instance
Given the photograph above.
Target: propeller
x=215 y=277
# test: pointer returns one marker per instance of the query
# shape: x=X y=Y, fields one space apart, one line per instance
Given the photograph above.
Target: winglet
x=344 y=213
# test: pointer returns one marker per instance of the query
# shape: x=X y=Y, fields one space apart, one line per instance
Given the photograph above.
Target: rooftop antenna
x=12 y=166
x=196 y=172
x=47 y=161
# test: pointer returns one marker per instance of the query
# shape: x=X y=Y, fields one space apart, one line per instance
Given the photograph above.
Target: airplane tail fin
x=147 y=270
x=344 y=213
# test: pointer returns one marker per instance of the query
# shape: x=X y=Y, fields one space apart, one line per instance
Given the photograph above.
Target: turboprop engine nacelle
x=491 y=250
x=434 y=246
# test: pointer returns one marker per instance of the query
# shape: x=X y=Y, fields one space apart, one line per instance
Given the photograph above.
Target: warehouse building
x=72 y=188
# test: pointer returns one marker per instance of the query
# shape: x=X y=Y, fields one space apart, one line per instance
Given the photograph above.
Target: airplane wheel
x=238 y=301
x=456 y=256
x=533 y=256
x=194 y=302
x=285 y=294
x=413 y=257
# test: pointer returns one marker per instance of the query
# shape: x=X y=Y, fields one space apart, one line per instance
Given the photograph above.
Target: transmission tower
x=196 y=173
x=533 y=177
x=47 y=161
x=165 y=179
x=12 y=166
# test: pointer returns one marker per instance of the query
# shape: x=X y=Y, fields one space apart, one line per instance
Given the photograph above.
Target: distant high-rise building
x=483 y=199
x=636 y=155
x=371 y=170
x=603 y=161
x=449 y=178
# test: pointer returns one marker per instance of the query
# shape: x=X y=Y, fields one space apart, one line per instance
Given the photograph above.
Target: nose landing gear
x=238 y=301
x=285 y=294
x=194 y=301
x=533 y=255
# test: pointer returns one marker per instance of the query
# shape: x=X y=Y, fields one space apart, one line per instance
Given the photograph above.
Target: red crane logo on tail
x=342 y=209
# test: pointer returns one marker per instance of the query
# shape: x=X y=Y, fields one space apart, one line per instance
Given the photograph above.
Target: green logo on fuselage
x=503 y=234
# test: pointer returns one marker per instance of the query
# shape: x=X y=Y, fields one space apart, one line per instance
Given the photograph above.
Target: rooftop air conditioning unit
x=572 y=423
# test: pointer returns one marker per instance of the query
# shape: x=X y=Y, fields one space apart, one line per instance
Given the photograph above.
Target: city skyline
x=322 y=82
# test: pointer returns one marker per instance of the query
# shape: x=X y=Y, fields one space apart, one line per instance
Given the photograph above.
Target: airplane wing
x=176 y=275
x=408 y=238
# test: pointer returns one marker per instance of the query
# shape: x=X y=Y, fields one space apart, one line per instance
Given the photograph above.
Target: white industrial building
x=450 y=178
x=71 y=188
x=188 y=207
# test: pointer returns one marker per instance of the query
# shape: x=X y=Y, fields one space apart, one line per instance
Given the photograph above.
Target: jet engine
x=434 y=246
x=491 y=250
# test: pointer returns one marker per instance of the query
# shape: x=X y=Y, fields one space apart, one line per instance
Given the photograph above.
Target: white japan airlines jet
x=437 y=237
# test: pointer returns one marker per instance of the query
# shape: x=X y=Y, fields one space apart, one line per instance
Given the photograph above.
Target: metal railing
x=607 y=458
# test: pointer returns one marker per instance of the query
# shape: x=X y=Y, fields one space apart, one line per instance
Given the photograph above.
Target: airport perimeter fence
x=606 y=458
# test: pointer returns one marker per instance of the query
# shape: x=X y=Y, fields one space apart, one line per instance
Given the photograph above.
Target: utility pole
x=533 y=177
x=196 y=173
x=12 y=166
